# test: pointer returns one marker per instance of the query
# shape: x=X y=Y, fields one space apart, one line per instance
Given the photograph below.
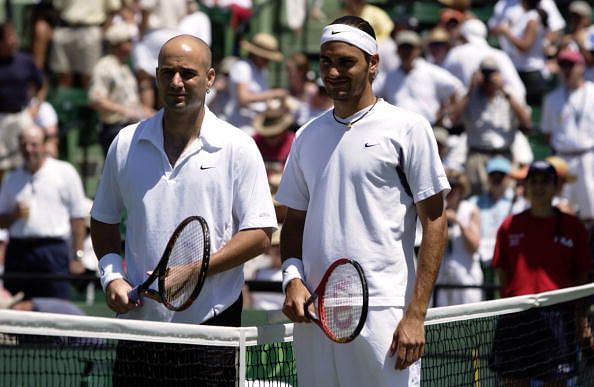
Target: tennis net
x=523 y=339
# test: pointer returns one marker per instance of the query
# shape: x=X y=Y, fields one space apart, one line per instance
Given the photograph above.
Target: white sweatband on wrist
x=292 y=268
x=110 y=269
x=351 y=35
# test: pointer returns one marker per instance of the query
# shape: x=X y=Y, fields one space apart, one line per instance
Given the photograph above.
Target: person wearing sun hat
x=249 y=88
x=273 y=137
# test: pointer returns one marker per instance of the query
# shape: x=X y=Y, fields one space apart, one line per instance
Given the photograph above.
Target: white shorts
x=363 y=362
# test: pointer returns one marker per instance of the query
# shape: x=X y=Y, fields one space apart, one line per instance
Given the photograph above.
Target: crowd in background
x=488 y=89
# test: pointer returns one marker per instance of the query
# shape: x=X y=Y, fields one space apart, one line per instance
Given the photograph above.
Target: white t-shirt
x=220 y=176
x=357 y=205
x=423 y=90
x=569 y=118
x=245 y=72
x=54 y=195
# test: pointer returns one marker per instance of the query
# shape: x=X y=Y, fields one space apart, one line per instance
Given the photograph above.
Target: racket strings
x=184 y=266
x=343 y=302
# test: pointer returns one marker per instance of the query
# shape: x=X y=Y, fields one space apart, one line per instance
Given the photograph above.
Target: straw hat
x=263 y=45
x=273 y=121
x=561 y=168
x=458 y=179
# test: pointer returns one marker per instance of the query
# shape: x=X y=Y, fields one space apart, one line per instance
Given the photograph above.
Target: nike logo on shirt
x=368 y=145
x=203 y=167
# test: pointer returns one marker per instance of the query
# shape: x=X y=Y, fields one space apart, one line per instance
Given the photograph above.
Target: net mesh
x=183 y=268
x=531 y=340
x=342 y=302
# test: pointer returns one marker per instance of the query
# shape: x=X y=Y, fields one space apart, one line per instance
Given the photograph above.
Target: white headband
x=350 y=35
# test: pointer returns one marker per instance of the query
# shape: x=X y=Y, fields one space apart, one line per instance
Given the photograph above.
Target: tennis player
x=356 y=179
x=182 y=161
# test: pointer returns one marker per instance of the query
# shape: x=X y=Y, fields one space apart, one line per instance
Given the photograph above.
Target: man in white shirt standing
x=418 y=85
x=42 y=204
x=182 y=161
x=568 y=123
x=356 y=180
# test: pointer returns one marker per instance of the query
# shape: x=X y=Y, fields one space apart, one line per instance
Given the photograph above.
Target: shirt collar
x=151 y=130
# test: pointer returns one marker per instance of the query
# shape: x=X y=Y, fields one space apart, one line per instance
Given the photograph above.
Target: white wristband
x=292 y=268
x=110 y=268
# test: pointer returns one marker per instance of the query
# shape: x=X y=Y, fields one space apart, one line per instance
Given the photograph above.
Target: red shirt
x=277 y=152
x=534 y=260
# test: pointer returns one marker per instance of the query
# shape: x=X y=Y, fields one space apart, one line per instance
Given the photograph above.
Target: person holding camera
x=491 y=115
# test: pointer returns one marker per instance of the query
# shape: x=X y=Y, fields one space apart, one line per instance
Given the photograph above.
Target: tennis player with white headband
x=356 y=180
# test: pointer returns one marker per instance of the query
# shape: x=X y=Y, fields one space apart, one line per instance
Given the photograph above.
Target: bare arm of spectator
x=471 y=232
x=106 y=105
x=524 y=42
x=79 y=230
x=246 y=97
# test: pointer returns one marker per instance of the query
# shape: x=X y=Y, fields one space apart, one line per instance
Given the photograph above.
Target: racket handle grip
x=134 y=295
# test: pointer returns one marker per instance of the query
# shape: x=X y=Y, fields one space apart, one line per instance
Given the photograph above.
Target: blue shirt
x=17 y=74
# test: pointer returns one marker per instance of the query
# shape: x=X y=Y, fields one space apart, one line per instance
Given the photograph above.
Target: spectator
x=539 y=250
x=566 y=121
x=250 y=92
x=491 y=116
x=47 y=119
x=196 y=23
x=274 y=137
x=220 y=95
x=437 y=45
x=495 y=204
x=144 y=62
x=317 y=104
x=77 y=40
x=451 y=20
x=161 y=14
x=460 y=264
x=113 y=91
x=524 y=45
x=511 y=12
x=42 y=205
x=580 y=29
x=378 y=18
x=464 y=60
x=418 y=85
x=44 y=18
x=19 y=79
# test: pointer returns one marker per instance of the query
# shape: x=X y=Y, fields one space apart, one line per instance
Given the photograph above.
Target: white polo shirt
x=220 y=176
x=54 y=195
x=569 y=118
x=422 y=90
x=357 y=206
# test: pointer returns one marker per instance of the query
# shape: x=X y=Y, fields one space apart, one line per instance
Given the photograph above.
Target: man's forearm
x=78 y=233
x=243 y=246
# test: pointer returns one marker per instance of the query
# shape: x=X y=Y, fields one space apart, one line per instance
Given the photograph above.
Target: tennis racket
x=342 y=300
x=181 y=272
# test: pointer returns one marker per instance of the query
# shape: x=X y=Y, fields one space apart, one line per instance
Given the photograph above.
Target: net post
x=242 y=359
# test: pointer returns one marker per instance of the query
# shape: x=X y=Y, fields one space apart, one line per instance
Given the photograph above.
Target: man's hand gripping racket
x=181 y=272
x=342 y=301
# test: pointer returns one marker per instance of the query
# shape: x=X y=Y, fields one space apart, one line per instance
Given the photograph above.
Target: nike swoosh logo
x=203 y=167
x=336 y=32
x=368 y=145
